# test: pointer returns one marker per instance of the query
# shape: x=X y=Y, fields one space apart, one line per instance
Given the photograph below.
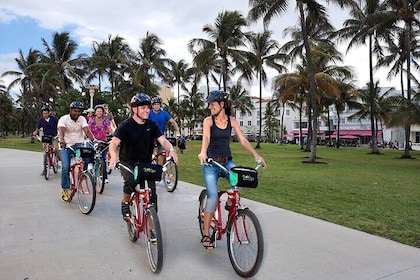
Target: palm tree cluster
x=231 y=52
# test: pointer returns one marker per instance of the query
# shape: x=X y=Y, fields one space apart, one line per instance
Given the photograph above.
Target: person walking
x=108 y=115
x=217 y=131
x=48 y=124
x=136 y=137
x=72 y=129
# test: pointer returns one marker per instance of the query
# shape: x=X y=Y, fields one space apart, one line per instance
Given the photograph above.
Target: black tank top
x=219 y=145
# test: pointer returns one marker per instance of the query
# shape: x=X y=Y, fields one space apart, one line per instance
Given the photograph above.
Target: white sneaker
x=106 y=181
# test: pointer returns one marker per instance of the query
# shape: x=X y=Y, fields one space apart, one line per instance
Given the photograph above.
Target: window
x=241 y=123
x=287 y=112
x=250 y=114
x=249 y=123
x=417 y=137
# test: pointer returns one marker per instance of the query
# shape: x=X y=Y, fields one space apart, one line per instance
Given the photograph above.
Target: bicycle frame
x=76 y=170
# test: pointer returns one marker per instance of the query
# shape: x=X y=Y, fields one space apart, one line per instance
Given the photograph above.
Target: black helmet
x=156 y=99
x=217 y=96
x=140 y=99
x=45 y=108
x=76 y=105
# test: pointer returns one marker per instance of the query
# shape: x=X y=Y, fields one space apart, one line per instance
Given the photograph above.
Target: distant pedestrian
x=181 y=143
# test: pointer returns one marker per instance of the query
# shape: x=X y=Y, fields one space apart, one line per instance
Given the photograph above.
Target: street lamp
x=92 y=94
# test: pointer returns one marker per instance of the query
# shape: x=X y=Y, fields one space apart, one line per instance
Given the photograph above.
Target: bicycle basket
x=46 y=139
x=244 y=177
x=85 y=152
x=147 y=171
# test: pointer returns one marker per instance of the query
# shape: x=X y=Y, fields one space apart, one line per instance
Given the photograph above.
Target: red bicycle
x=50 y=155
x=82 y=181
x=244 y=234
x=170 y=170
x=144 y=218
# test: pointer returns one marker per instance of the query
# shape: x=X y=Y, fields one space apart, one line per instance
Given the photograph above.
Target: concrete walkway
x=44 y=238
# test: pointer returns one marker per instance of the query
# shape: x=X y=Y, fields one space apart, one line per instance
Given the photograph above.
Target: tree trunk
x=374 y=141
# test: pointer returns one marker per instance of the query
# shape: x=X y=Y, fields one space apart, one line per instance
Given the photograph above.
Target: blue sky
x=24 y=22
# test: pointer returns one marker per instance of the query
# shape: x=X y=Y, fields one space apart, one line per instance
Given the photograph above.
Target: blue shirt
x=48 y=127
x=161 y=118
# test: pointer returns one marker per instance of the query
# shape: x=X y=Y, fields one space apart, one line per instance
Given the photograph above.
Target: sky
x=24 y=22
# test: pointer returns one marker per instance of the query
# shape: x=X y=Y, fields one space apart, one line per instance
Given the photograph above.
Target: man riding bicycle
x=48 y=123
x=137 y=136
x=72 y=129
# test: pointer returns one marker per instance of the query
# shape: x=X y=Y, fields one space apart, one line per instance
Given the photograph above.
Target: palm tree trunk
x=374 y=143
x=258 y=146
x=408 y=52
x=312 y=85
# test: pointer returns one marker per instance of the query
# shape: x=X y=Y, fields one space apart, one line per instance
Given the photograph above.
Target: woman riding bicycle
x=100 y=128
x=137 y=136
x=217 y=131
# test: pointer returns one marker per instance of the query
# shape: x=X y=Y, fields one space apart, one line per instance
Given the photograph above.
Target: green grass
x=378 y=194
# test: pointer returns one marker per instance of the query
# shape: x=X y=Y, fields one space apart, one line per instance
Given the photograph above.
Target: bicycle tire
x=153 y=239
x=54 y=163
x=170 y=176
x=202 y=200
x=245 y=255
x=86 y=192
x=47 y=167
x=100 y=181
x=131 y=226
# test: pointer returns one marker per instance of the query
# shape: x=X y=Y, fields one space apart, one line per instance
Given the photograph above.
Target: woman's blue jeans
x=65 y=155
x=211 y=175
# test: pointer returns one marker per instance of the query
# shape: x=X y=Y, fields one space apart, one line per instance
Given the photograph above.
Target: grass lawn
x=378 y=194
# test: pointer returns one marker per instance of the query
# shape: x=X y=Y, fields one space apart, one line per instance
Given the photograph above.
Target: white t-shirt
x=74 y=129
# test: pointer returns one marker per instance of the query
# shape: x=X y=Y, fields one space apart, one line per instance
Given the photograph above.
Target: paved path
x=41 y=237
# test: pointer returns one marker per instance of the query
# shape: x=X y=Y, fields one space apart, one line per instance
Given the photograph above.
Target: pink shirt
x=100 y=131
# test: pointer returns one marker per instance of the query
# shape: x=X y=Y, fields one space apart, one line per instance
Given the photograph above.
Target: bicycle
x=144 y=218
x=245 y=242
x=81 y=181
x=170 y=170
x=99 y=169
x=50 y=153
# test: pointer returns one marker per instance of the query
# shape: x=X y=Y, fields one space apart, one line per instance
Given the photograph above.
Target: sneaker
x=65 y=195
x=153 y=237
x=125 y=210
x=106 y=181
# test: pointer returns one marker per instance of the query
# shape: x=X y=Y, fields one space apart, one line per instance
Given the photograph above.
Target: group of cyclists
x=136 y=137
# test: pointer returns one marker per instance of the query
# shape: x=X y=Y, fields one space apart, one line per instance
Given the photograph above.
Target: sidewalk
x=44 y=238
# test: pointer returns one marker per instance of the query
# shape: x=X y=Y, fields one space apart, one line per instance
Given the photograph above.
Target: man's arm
x=176 y=127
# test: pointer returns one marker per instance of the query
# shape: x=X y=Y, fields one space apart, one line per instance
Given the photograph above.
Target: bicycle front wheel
x=170 y=176
x=131 y=225
x=100 y=178
x=245 y=243
x=47 y=166
x=86 y=193
x=153 y=239
x=54 y=162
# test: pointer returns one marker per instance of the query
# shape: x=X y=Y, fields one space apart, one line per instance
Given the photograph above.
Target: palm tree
x=401 y=12
x=181 y=74
x=58 y=66
x=268 y=9
x=151 y=63
x=264 y=51
x=360 y=29
x=241 y=101
x=111 y=59
x=225 y=39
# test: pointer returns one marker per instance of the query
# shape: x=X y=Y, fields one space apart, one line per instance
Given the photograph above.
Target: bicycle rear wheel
x=86 y=193
x=153 y=239
x=100 y=178
x=47 y=166
x=245 y=243
x=170 y=176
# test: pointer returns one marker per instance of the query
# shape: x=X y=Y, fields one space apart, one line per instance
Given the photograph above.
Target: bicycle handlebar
x=119 y=165
x=212 y=161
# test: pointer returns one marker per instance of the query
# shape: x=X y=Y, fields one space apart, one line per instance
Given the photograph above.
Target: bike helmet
x=45 y=108
x=76 y=105
x=156 y=99
x=140 y=99
x=99 y=106
x=217 y=96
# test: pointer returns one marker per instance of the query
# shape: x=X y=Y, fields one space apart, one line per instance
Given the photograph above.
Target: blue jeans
x=65 y=155
x=211 y=175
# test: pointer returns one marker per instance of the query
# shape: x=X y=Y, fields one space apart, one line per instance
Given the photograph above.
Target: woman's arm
x=202 y=156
